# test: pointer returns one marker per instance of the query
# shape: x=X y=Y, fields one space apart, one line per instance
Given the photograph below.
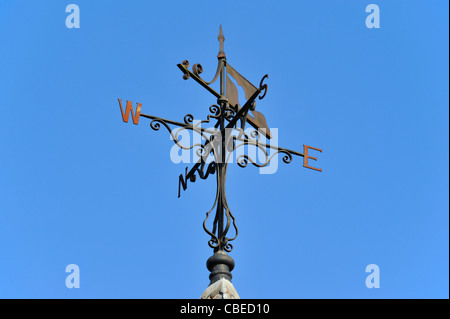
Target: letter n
x=182 y=182
x=128 y=110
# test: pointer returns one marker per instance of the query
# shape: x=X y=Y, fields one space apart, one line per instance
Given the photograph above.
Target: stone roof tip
x=221 y=289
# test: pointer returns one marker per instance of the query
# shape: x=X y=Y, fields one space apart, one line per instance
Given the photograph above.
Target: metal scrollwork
x=156 y=123
x=221 y=242
x=213 y=137
x=188 y=119
x=263 y=87
x=217 y=141
x=197 y=69
x=255 y=134
x=185 y=63
x=216 y=110
x=230 y=114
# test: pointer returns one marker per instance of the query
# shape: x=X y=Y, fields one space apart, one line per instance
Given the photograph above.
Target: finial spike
x=221 y=40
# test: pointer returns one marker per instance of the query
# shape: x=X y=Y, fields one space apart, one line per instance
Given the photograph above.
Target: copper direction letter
x=306 y=157
x=128 y=109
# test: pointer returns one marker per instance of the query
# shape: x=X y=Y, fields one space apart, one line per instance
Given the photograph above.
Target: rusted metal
x=221 y=38
x=306 y=157
x=197 y=69
x=199 y=80
x=128 y=110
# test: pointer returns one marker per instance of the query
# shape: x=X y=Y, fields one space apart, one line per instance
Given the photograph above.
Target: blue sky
x=79 y=186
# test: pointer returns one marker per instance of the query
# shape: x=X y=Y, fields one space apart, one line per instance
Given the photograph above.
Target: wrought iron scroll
x=215 y=137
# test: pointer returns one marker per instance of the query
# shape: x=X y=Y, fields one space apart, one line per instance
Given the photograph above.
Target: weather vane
x=226 y=135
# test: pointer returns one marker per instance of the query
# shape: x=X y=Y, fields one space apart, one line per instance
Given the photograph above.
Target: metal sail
x=258 y=120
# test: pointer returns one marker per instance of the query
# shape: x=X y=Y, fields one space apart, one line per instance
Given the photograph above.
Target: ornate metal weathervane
x=227 y=134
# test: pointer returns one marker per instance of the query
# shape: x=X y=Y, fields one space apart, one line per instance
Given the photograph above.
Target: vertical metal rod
x=220 y=207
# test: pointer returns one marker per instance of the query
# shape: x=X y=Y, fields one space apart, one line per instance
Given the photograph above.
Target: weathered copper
x=128 y=110
x=306 y=157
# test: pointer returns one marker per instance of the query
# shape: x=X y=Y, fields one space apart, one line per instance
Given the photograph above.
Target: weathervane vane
x=229 y=117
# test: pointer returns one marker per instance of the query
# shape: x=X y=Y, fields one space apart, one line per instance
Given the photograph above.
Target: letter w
x=128 y=109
